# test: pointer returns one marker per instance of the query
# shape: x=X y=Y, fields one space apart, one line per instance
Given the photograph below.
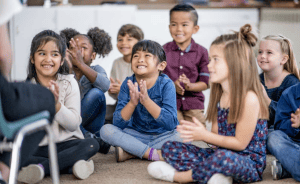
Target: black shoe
x=103 y=146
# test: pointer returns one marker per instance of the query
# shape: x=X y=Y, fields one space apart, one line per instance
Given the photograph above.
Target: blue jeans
x=134 y=142
x=286 y=151
x=93 y=110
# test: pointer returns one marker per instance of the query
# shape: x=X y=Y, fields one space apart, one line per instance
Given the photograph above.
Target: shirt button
x=183 y=98
x=180 y=67
x=181 y=53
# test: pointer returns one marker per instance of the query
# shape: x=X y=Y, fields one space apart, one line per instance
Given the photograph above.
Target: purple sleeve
x=203 y=70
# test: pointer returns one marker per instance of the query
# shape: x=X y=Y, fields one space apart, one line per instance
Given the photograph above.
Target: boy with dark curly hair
x=93 y=80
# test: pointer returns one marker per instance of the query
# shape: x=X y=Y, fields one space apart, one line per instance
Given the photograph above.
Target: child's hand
x=178 y=87
x=295 y=119
x=54 y=88
x=75 y=53
x=115 y=86
x=134 y=92
x=184 y=80
x=191 y=131
x=143 y=92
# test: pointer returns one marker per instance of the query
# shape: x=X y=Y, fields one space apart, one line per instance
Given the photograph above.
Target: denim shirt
x=102 y=82
x=288 y=103
x=163 y=94
x=275 y=93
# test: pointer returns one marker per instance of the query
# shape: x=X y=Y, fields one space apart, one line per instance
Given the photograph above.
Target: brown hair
x=243 y=75
x=286 y=48
x=132 y=30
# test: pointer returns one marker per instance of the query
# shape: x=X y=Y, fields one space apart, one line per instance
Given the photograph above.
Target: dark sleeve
x=203 y=69
x=283 y=116
x=23 y=99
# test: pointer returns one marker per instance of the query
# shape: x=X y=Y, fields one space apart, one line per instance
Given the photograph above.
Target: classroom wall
x=154 y=23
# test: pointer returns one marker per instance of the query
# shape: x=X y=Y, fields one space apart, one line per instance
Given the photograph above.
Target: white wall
x=154 y=23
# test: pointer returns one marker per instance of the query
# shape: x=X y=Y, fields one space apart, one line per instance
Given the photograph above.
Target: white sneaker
x=31 y=174
x=83 y=169
x=161 y=170
x=219 y=178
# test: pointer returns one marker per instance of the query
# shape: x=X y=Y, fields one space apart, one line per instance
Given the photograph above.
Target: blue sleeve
x=168 y=114
x=283 y=115
x=102 y=82
x=123 y=99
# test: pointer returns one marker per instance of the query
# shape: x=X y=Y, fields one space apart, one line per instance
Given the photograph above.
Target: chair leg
x=54 y=169
x=15 y=158
x=33 y=127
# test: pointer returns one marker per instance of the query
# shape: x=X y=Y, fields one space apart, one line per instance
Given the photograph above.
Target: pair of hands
x=54 y=88
x=191 y=131
x=135 y=94
x=74 y=56
x=186 y=81
x=115 y=86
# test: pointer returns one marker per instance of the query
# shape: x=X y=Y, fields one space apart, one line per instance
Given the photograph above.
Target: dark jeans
x=68 y=153
x=286 y=151
x=93 y=110
x=20 y=100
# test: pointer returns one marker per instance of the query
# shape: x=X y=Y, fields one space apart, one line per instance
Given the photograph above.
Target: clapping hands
x=75 y=53
x=135 y=94
x=114 y=87
x=191 y=131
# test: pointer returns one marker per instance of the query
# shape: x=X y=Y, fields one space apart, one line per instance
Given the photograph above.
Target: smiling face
x=145 y=64
x=270 y=56
x=84 y=43
x=47 y=60
x=182 y=28
x=217 y=66
x=125 y=44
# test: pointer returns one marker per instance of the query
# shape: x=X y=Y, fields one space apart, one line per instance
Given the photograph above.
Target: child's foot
x=103 y=146
x=161 y=170
x=122 y=155
x=220 y=178
x=31 y=174
x=83 y=169
x=278 y=172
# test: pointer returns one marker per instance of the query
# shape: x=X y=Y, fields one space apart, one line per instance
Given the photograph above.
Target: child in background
x=284 y=141
x=280 y=71
x=145 y=116
x=128 y=36
x=47 y=68
x=187 y=63
x=238 y=112
x=93 y=80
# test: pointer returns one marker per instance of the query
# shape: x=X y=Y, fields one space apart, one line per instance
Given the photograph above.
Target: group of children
x=155 y=88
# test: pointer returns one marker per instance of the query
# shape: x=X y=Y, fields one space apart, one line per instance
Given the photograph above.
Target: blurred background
x=152 y=16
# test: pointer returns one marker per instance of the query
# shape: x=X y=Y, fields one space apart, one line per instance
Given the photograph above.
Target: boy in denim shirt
x=145 y=116
x=284 y=141
x=187 y=63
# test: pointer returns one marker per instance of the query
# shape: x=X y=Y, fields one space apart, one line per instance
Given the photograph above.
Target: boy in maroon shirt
x=187 y=63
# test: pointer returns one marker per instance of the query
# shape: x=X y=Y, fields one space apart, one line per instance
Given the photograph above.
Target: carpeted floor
x=134 y=171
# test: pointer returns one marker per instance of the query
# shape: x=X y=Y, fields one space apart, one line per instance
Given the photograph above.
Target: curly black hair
x=99 y=39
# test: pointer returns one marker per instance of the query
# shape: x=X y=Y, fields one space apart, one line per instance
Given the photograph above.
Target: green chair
x=19 y=129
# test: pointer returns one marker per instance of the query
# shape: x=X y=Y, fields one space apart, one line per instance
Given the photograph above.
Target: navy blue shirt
x=163 y=93
x=289 y=102
x=275 y=93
